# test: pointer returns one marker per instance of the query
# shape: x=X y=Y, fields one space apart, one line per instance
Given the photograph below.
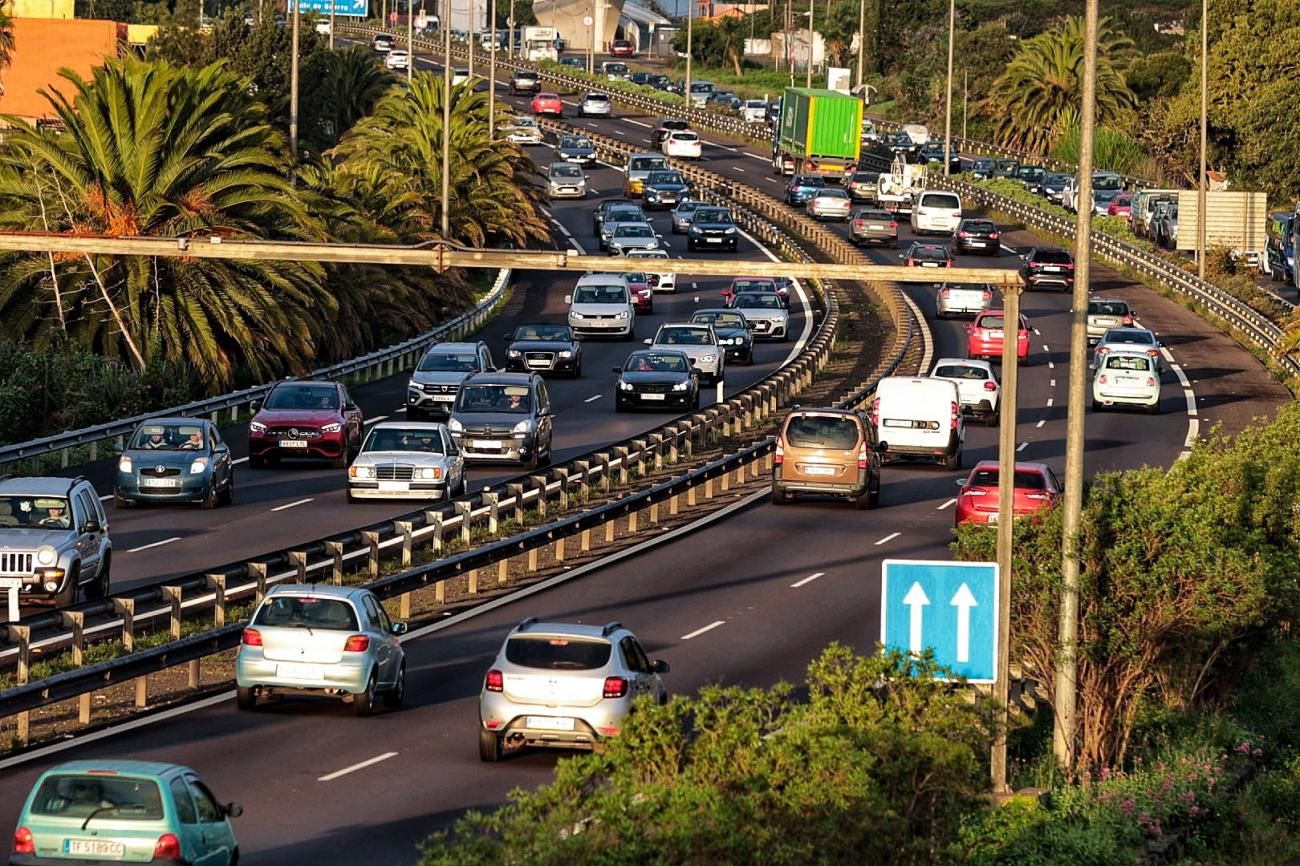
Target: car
x=111 y=811
x=682 y=144
x=304 y=418
x=1121 y=206
x=984 y=337
x=1164 y=224
x=977 y=236
x=901 y=145
x=397 y=58
x=1036 y=488
x=1127 y=339
x=381 y=43
x=829 y=203
x=983 y=168
x=323 y=640
x=754 y=110
x=765 y=313
x=544 y=348
x=751 y=284
x=936 y=212
x=659 y=282
x=564 y=685
x=639 y=167
x=596 y=104
x=869 y=225
x=773 y=112
x=724 y=99
x=632 y=236
x=459 y=77
x=961 y=299
x=1053 y=186
x=523 y=130
x=802 y=187
x=698 y=342
x=662 y=82
x=175 y=460
x=547 y=103
x=1006 y=168
x=54 y=540
x=1126 y=378
x=407 y=460
x=1277 y=260
x=638 y=284
x=619 y=216
x=1107 y=313
x=863 y=185
x=622 y=48
x=605 y=208
x=920 y=255
x=932 y=151
x=659 y=376
x=919 y=418
x=1048 y=266
x=977 y=386
x=712 y=227
x=825 y=451
x=504 y=418
x=525 y=81
x=601 y=306
x=1031 y=176
x=565 y=180
x=576 y=148
x=683 y=214
x=1102 y=181
x=642 y=78
x=1102 y=199
x=433 y=384
x=700 y=92
x=732 y=330
x=574 y=62
x=664 y=189
x=615 y=71
x=665 y=126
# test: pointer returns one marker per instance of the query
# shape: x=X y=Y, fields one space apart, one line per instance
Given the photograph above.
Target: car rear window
x=961 y=371
x=940 y=200
x=120 y=798
x=822 y=431
x=990 y=322
x=980 y=226
x=1026 y=479
x=557 y=653
x=306 y=611
x=1139 y=363
x=1107 y=308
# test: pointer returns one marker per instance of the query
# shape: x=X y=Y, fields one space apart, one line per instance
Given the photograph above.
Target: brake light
x=990 y=385
x=1128 y=320
x=494 y=681
x=875 y=411
x=956 y=415
x=1151 y=381
x=1153 y=352
x=988 y=295
x=948 y=263
x=23 y=841
x=963 y=234
x=252 y=637
x=779 y=457
x=943 y=293
x=167 y=848
x=615 y=687
x=358 y=643
x=1102 y=378
x=893 y=225
x=993 y=236
x=858 y=223
x=1069 y=266
x=862 y=456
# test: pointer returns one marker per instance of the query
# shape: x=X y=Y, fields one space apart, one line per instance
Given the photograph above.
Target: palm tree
x=6 y=38
x=150 y=149
x=341 y=87
x=1040 y=92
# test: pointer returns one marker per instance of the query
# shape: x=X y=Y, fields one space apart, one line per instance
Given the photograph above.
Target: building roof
x=642 y=15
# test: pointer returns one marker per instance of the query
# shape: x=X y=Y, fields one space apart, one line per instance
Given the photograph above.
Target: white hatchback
x=936 y=212
x=397 y=59
x=977 y=386
x=683 y=144
x=1126 y=378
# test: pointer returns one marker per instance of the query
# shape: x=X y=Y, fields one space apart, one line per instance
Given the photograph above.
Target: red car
x=1122 y=206
x=305 y=419
x=622 y=48
x=1036 y=488
x=984 y=337
x=642 y=291
x=547 y=103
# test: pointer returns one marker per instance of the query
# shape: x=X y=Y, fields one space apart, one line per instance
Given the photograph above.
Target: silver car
x=433 y=386
x=565 y=180
x=961 y=299
x=830 y=203
x=698 y=342
x=596 y=105
x=1127 y=339
x=683 y=214
x=407 y=460
x=616 y=217
x=566 y=686
x=601 y=305
x=765 y=313
x=54 y=543
x=319 y=639
x=523 y=130
x=1107 y=313
x=632 y=236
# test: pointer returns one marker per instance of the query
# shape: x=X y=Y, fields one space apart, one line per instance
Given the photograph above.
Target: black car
x=732 y=329
x=713 y=228
x=576 y=148
x=665 y=189
x=1006 y=168
x=544 y=348
x=1048 y=266
x=773 y=112
x=525 y=81
x=921 y=255
x=933 y=152
x=978 y=236
x=901 y=144
x=1032 y=176
x=655 y=379
x=640 y=78
x=660 y=82
x=983 y=168
x=1053 y=185
x=661 y=130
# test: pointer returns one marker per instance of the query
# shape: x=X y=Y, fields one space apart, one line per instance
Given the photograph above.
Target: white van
x=936 y=211
x=601 y=306
x=919 y=418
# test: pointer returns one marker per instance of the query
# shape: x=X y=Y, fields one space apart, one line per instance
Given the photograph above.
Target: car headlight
x=730 y=231
x=199 y=465
x=429 y=473
x=566 y=353
x=524 y=426
x=257 y=426
x=514 y=353
x=124 y=464
x=332 y=427
x=681 y=386
x=361 y=472
x=624 y=385
x=708 y=359
x=695 y=230
x=454 y=425
x=622 y=315
x=46 y=556
x=574 y=314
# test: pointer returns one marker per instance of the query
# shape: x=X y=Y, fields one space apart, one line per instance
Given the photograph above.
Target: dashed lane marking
x=329 y=777
x=890 y=537
x=155 y=544
x=699 y=631
x=809 y=579
x=291 y=504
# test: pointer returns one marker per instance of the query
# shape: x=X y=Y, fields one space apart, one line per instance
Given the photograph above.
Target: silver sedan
x=407 y=460
x=829 y=203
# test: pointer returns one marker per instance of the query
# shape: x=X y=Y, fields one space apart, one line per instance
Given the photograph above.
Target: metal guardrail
x=383 y=362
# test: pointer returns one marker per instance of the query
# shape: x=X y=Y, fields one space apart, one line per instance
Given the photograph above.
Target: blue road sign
x=949 y=607
x=341 y=7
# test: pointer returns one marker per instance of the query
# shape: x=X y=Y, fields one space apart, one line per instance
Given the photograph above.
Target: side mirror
x=400 y=628
x=660 y=666
x=960 y=482
x=255 y=406
x=118 y=449
x=647 y=341
x=351 y=407
x=91 y=525
x=882 y=447
x=568 y=299
x=223 y=448
x=232 y=810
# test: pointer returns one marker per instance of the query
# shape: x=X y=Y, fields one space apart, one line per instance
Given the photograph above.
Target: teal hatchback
x=97 y=812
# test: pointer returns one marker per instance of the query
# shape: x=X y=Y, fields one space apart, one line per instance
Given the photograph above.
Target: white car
x=407 y=460
x=596 y=105
x=754 y=110
x=977 y=386
x=683 y=144
x=323 y=28
x=658 y=282
x=397 y=59
x=1128 y=378
x=832 y=202
x=1127 y=339
x=601 y=305
x=459 y=76
x=523 y=130
x=698 y=342
x=765 y=312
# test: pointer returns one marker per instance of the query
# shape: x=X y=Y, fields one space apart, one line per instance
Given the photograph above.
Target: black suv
x=978 y=236
x=1048 y=266
x=524 y=81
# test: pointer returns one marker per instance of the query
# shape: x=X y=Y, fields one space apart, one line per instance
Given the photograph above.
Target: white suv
x=600 y=305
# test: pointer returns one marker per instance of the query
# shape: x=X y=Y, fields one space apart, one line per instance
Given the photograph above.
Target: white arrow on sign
x=964 y=600
x=916 y=600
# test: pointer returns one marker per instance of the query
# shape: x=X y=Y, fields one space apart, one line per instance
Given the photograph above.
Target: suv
x=524 y=81
x=562 y=685
x=830 y=452
x=503 y=417
x=1048 y=266
x=53 y=540
x=600 y=304
x=304 y=418
x=437 y=377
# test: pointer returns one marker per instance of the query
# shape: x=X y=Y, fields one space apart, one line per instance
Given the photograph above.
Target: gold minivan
x=830 y=452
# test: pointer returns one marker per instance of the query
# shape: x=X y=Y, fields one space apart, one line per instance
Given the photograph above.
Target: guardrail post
x=440 y=592
x=503 y=572
x=299 y=560
x=708 y=488
x=258 y=571
x=562 y=473
x=657 y=446
x=465 y=510
x=76 y=620
x=621 y=454
x=631 y=522
x=602 y=460
x=125 y=608
x=217 y=583
x=516 y=491
x=559 y=548
x=726 y=481
x=473 y=581
x=335 y=551
x=586 y=541
x=406 y=528
x=94 y=450
x=532 y=560
x=435 y=519
x=582 y=469
x=493 y=501
x=370 y=539
x=673 y=505
x=63 y=458
x=404 y=606
x=173 y=596
x=539 y=484
x=672 y=444
x=22 y=635
x=654 y=513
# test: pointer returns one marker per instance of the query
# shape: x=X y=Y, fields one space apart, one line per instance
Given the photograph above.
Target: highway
x=306 y=773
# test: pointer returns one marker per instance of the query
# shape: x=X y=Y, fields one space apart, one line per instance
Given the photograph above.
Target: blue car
x=175 y=460
x=803 y=187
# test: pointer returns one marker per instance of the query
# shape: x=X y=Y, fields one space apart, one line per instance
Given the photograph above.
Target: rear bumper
x=263 y=674
x=854 y=488
x=33 y=860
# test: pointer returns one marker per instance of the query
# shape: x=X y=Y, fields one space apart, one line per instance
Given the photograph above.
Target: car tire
x=395 y=697
x=340 y=462
x=99 y=588
x=209 y=502
x=577 y=371
x=68 y=597
x=952 y=461
x=1154 y=408
x=873 y=496
x=992 y=419
x=863 y=502
x=228 y=496
x=778 y=495
x=489 y=747
x=245 y=698
x=363 y=704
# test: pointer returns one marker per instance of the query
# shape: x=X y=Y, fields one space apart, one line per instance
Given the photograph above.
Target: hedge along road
x=296 y=501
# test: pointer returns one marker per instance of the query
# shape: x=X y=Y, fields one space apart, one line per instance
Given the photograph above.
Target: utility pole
x=445 y=22
x=293 y=87
x=410 y=39
x=811 y=43
x=1204 y=185
x=473 y=5
x=492 y=75
x=331 y=24
x=947 y=113
x=1067 y=667
x=690 y=29
x=965 y=98
x=862 y=39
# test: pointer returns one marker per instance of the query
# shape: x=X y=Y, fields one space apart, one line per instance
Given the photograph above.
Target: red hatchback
x=1122 y=206
x=1036 y=488
x=305 y=419
x=547 y=103
x=642 y=292
x=622 y=48
x=984 y=337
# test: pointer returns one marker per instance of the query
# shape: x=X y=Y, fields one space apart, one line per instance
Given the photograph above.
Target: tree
x=6 y=39
x=1159 y=75
x=340 y=88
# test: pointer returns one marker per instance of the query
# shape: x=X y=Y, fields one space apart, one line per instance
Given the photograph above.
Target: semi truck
x=819 y=132
x=1236 y=220
x=539 y=44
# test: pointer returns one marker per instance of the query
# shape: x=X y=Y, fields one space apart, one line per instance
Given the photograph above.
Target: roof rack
x=525 y=623
x=610 y=628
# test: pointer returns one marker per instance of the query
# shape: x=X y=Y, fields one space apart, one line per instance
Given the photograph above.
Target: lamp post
x=1204 y=184
x=811 y=43
x=410 y=39
x=492 y=74
x=331 y=25
x=862 y=39
x=469 y=71
x=947 y=114
x=293 y=87
x=445 y=22
x=690 y=29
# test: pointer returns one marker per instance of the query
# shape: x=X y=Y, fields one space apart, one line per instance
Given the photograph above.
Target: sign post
x=950 y=608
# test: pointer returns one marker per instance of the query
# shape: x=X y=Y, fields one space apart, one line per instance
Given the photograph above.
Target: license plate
x=929 y=264
x=1052 y=270
x=160 y=482
x=292 y=443
x=394 y=486
x=976 y=243
x=298 y=671
x=993 y=518
x=714 y=240
x=819 y=470
x=652 y=396
x=444 y=398
x=997 y=334
x=541 y=364
x=550 y=723
x=94 y=848
x=485 y=445
x=876 y=227
x=568 y=189
x=11 y=582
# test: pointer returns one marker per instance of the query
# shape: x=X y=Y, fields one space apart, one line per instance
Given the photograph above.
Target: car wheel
x=363 y=704
x=1154 y=408
x=577 y=371
x=531 y=462
x=873 y=496
x=952 y=461
x=340 y=462
x=863 y=502
x=778 y=495
x=396 y=696
x=228 y=495
x=246 y=698
x=489 y=746
x=992 y=419
x=99 y=588
x=209 y=502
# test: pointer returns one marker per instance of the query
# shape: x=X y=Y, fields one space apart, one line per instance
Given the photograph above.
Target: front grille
x=293 y=433
x=654 y=388
x=539 y=359
x=434 y=388
x=159 y=471
x=15 y=563
x=760 y=324
x=394 y=472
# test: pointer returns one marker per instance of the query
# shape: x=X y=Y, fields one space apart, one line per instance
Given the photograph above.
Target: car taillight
x=963 y=234
x=615 y=687
x=943 y=293
x=1069 y=266
x=1151 y=381
x=862 y=456
x=252 y=637
x=779 y=457
x=858 y=223
x=1128 y=320
x=494 y=681
x=1154 y=353
x=168 y=847
x=948 y=263
x=911 y=263
x=990 y=385
x=358 y=643
x=988 y=295
x=23 y=841
x=875 y=411
x=993 y=236
x=956 y=414
x=1102 y=379
x=893 y=225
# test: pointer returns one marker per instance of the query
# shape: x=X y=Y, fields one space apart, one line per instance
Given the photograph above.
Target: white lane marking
x=577 y=246
x=1046 y=348
x=890 y=537
x=1008 y=249
x=376 y=419
x=239 y=460
x=1037 y=333
x=619 y=132
x=291 y=504
x=1022 y=446
x=809 y=579
x=1040 y=423
x=330 y=777
x=592 y=399
x=1051 y=383
x=1190 y=397
x=699 y=631
x=1051 y=366
x=950 y=503
x=637 y=123
x=738 y=168
x=1049 y=402
x=155 y=544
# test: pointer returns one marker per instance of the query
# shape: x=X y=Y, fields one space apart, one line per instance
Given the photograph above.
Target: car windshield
x=1134 y=336
x=168 y=437
x=1057 y=179
x=664 y=177
x=600 y=295
x=41 y=512
x=647 y=163
x=720 y=319
x=494 y=398
x=302 y=397
x=1025 y=479
x=712 y=215
x=436 y=361
x=546 y=333
x=683 y=336
x=403 y=439
x=822 y=431
x=961 y=371
x=1056 y=257
x=306 y=611
x=566 y=171
x=557 y=653
x=650 y=362
x=1107 y=308
x=573 y=142
x=113 y=797
x=1140 y=363
x=759 y=300
x=1107 y=182
x=525 y=122
x=634 y=230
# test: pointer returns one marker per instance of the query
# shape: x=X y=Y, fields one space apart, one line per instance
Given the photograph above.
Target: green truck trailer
x=819 y=132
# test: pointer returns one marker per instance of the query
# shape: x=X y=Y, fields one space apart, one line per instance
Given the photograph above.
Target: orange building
x=43 y=47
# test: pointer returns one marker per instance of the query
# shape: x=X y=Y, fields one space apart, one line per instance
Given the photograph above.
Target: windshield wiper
x=96 y=813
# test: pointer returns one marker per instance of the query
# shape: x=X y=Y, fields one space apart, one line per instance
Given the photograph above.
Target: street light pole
x=965 y=98
x=862 y=38
x=492 y=74
x=410 y=39
x=445 y=22
x=332 y=25
x=473 y=5
x=690 y=29
x=293 y=86
x=947 y=113
x=811 y=43
x=1203 y=186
